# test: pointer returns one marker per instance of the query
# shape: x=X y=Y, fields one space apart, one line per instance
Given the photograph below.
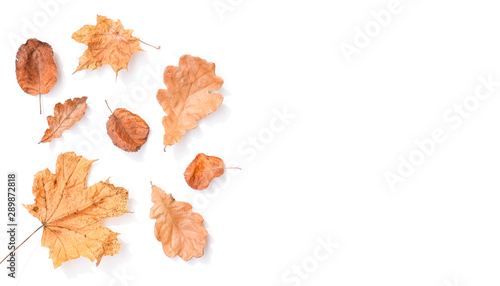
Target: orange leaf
x=108 y=43
x=177 y=227
x=36 y=70
x=202 y=170
x=188 y=97
x=65 y=116
x=127 y=130
x=70 y=211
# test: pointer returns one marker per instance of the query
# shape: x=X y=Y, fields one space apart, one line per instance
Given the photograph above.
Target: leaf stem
x=40 y=102
x=21 y=244
x=108 y=106
x=149 y=44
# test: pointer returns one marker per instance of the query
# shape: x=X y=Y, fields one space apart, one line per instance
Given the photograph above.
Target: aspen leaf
x=36 y=70
x=70 y=211
x=108 y=43
x=65 y=116
x=202 y=170
x=127 y=130
x=177 y=227
x=188 y=97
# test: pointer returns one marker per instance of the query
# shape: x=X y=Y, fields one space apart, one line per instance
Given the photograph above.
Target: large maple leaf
x=188 y=97
x=70 y=211
x=108 y=43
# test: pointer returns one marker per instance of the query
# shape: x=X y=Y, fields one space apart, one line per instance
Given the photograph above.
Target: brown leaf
x=108 y=43
x=177 y=227
x=65 y=116
x=127 y=130
x=202 y=170
x=70 y=211
x=188 y=96
x=36 y=70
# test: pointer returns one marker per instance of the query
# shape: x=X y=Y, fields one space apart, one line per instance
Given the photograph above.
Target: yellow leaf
x=108 y=43
x=70 y=211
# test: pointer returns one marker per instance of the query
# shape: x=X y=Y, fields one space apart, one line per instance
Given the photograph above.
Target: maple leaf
x=177 y=227
x=127 y=130
x=36 y=70
x=70 y=211
x=202 y=170
x=65 y=116
x=188 y=97
x=108 y=43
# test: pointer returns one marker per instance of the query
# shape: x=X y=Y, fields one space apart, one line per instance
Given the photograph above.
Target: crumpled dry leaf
x=108 y=43
x=65 y=115
x=127 y=130
x=36 y=70
x=177 y=227
x=70 y=211
x=202 y=170
x=188 y=97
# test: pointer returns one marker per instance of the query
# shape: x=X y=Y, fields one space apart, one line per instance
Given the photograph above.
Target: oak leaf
x=65 y=116
x=177 y=227
x=188 y=97
x=36 y=70
x=108 y=43
x=202 y=170
x=127 y=130
x=70 y=211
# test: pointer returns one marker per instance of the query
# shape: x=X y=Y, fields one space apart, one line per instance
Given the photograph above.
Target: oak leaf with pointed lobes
x=70 y=211
x=188 y=97
x=127 y=130
x=202 y=170
x=108 y=43
x=36 y=70
x=65 y=116
x=177 y=227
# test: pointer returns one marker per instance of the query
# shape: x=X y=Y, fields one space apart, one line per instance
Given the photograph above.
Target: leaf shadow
x=138 y=156
x=116 y=261
x=76 y=267
x=105 y=70
x=225 y=92
x=219 y=116
x=137 y=61
x=181 y=150
x=82 y=265
x=207 y=255
x=61 y=82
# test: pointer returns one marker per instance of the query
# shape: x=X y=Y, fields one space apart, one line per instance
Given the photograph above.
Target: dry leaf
x=188 y=96
x=202 y=170
x=65 y=115
x=108 y=43
x=36 y=70
x=177 y=227
x=127 y=130
x=70 y=211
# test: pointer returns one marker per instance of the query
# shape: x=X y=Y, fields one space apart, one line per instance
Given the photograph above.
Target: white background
x=320 y=176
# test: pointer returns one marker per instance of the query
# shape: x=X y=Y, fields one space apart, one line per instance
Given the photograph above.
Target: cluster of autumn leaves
x=69 y=210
